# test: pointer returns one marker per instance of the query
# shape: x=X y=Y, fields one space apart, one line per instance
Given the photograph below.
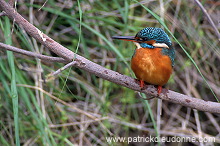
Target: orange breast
x=151 y=66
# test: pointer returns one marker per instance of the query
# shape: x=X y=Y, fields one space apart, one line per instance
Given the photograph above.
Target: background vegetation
x=86 y=27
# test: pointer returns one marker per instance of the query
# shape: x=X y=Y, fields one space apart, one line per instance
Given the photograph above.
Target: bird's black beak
x=125 y=38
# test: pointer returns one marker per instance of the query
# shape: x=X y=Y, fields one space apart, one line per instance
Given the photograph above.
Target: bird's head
x=149 y=37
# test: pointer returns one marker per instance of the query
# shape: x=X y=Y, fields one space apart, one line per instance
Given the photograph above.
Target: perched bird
x=153 y=59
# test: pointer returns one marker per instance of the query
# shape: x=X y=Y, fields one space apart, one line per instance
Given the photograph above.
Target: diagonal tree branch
x=107 y=74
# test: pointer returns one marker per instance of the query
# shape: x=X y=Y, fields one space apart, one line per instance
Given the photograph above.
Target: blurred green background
x=78 y=108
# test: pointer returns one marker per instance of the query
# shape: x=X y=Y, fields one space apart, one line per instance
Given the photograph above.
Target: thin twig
x=105 y=73
x=209 y=18
x=32 y=54
x=50 y=76
x=78 y=123
x=42 y=5
x=90 y=115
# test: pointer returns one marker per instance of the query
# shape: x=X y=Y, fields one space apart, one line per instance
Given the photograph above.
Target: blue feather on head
x=159 y=36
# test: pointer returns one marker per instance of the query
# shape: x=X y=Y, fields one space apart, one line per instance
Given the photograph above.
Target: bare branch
x=36 y=33
x=11 y=2
x=32 y=54
x=51 y=76
x=112 y=76
x=2 y=14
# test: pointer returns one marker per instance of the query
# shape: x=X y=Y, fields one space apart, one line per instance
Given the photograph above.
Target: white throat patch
x=138 y=45
x=161 y=45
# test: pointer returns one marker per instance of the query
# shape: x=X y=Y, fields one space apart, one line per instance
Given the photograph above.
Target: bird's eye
x=142 y=39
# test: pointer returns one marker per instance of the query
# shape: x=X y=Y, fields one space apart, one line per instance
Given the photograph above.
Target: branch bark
x=32 y=54
x=107 y=74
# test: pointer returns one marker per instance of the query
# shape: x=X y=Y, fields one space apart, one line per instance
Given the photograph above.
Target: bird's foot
x=142 y=84
x=160 y=89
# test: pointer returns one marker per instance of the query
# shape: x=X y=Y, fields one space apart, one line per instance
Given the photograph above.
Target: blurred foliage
x=45 y=120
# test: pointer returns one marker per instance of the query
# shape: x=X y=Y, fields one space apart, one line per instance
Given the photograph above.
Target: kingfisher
x=153 y=59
